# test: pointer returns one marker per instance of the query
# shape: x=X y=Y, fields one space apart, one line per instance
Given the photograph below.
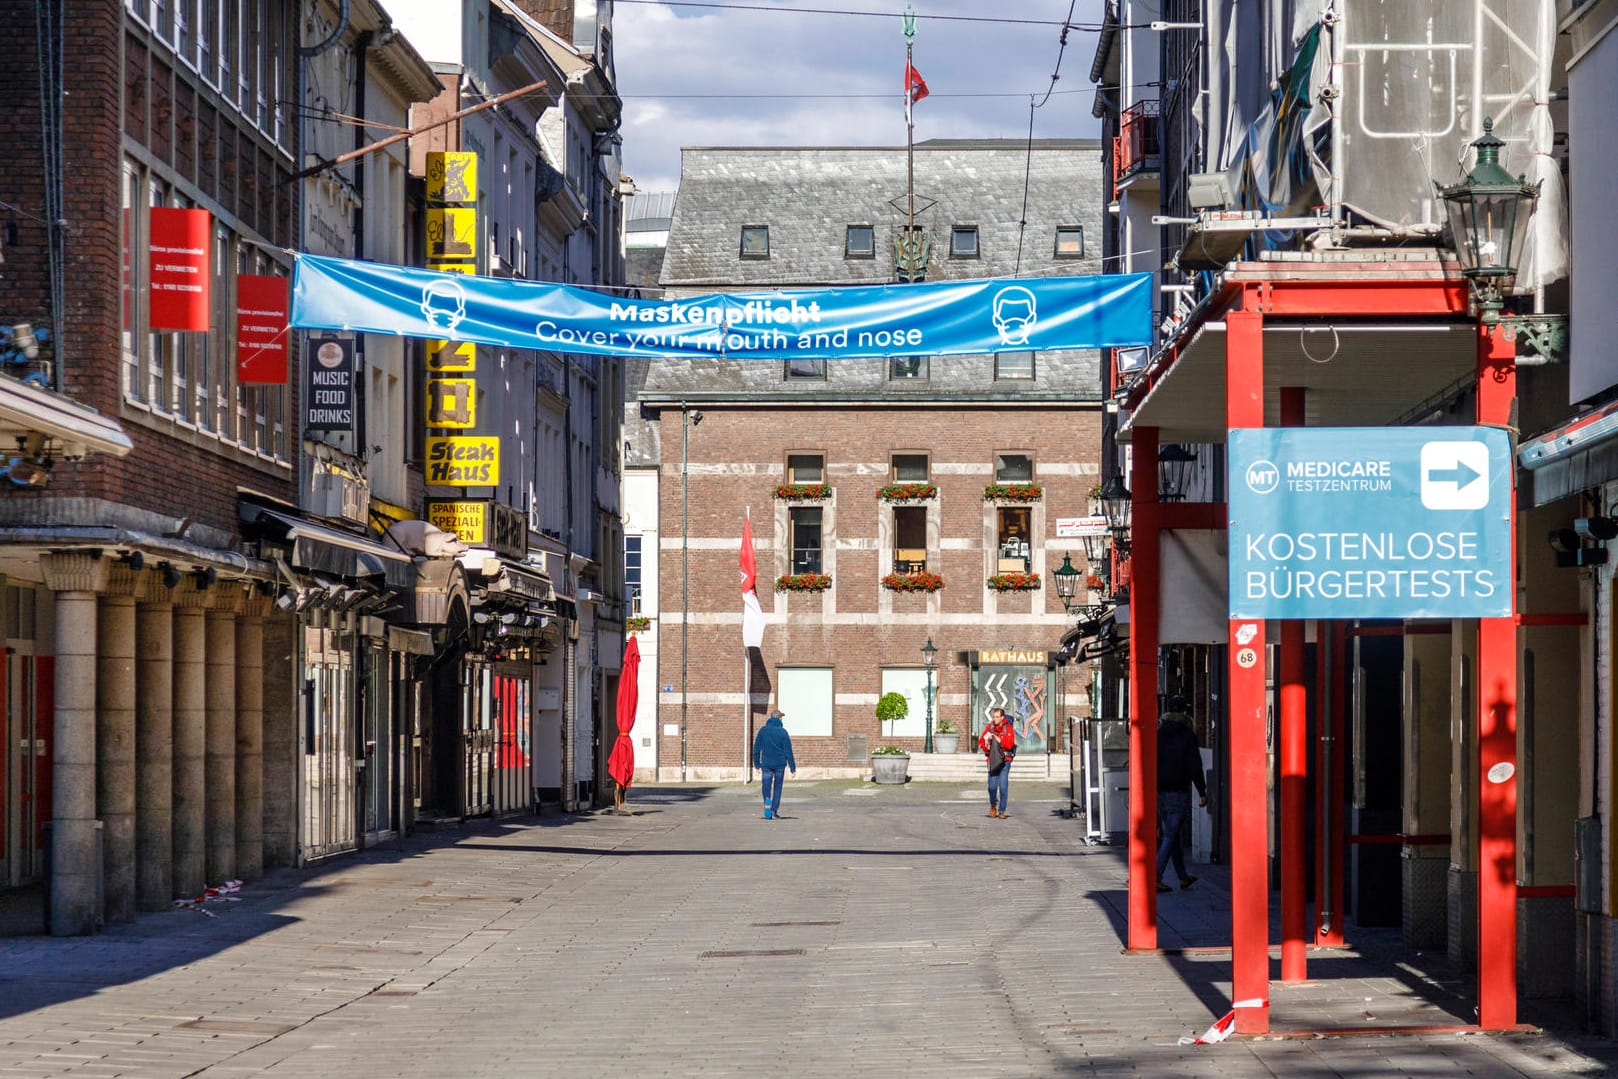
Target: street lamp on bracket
x=929 y=656
x=1489 y=212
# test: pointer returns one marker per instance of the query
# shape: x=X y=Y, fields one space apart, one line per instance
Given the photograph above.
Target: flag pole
x=910 y=131
x=747 y=687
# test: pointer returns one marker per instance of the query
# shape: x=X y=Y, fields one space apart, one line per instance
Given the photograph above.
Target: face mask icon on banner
x=443 y=305
x=1014 y=314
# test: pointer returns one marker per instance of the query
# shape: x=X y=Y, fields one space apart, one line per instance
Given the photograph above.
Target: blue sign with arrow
x=1373 y=522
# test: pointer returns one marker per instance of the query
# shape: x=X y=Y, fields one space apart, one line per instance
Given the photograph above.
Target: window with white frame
x=911 y=684
x=1013 y=468
x=632 y=567
x=1013 y=365
x=804 y=695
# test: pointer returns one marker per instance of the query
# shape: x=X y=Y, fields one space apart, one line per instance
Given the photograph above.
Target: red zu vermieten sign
x=261 y=330
x=180 y=272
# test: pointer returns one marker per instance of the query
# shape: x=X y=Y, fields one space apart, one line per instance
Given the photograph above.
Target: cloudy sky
x=715 y=76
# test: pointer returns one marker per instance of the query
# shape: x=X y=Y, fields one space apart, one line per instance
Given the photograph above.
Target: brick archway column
x=190 y=740
x=76 y=578
x=250 y=736
x=154 y=749
x=224 y=601
x=115 y=739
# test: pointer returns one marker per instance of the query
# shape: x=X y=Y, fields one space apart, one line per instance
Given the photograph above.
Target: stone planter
x=890 y=767
x=946 y=743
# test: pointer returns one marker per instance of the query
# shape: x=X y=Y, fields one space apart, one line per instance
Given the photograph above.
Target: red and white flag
x=752 y=614
x=915 y=88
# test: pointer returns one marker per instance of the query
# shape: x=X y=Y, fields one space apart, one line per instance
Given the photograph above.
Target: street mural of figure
x=1030 y=708
x=1021 y=692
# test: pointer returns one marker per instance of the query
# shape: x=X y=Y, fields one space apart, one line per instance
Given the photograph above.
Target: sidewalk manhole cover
x=761 y=953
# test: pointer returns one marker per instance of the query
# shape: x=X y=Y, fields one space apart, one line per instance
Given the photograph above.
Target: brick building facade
x=762 y=437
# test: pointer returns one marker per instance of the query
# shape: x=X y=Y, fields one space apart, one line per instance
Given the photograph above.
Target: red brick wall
x=742 y=444
x=170 y=470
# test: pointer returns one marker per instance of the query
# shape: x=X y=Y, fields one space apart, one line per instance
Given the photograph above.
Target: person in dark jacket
x=772 y=756
x=1179 y=767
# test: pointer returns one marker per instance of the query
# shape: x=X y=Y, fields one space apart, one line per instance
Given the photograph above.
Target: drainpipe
x=569 y=650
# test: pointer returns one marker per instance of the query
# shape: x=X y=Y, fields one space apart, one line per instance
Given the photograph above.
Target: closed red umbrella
x=621 y=764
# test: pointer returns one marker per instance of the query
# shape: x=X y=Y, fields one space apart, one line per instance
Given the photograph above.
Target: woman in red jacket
x=999 y=745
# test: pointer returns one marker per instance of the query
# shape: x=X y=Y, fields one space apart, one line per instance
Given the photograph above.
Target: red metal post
x=1497 y=737
x=1294 y=754
x=1331 y=785
x=1249 y=827
x=1144 y=588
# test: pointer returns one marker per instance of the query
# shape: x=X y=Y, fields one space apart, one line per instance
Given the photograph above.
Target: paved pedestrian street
x=871 y=931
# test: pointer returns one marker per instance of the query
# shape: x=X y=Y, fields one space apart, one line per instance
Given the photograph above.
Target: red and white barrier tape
x=1225 y=1025
x=223 y=893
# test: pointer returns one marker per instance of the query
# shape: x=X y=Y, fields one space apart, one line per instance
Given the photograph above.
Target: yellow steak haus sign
x=463 y=461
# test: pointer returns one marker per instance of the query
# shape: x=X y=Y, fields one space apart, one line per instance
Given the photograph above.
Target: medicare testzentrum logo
x=1263 y=477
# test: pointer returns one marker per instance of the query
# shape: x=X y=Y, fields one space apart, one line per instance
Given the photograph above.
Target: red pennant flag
x=915 y=88
x=752 y=613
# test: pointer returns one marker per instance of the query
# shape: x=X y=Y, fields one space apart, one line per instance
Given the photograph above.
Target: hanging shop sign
x=179 y=274
x=1379 y=522
x=261 y=330
x=945 y=318
x=328 y=392
x=479 y=522
x=463 y=461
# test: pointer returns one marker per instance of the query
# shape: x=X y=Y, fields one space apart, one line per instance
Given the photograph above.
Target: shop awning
x=1567 y=459
x=1354 y=374
x=318 y=548
x=72 y=429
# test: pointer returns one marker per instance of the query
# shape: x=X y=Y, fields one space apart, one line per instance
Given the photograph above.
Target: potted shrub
x=890 y=709
x=890 y=764
x=945 y=740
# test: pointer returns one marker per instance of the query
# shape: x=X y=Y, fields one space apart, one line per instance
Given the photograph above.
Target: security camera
x=696 y=416
x=1599 y=529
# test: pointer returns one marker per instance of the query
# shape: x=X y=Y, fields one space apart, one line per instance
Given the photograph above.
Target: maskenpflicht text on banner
x=934 y=318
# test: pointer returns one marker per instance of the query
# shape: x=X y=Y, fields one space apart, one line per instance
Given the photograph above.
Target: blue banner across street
x=1372 y=522
x=939 y=319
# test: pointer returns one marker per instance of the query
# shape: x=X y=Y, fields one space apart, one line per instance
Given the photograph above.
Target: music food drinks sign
x=1378 y=522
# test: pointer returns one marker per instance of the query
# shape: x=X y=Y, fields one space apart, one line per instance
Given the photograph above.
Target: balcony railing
x=1137 y=146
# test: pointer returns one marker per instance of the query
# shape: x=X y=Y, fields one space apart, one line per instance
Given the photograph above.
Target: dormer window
x=1070 y=241
x=860 y=242
x=755 y=241
x=963 y=242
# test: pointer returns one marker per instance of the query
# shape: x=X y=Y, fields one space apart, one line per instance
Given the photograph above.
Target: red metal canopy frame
x=1253 y=293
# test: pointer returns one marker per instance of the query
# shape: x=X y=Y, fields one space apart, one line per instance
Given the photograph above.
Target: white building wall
x=640 y=487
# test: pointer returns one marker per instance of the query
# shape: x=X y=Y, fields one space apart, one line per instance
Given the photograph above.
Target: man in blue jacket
x=772 y=756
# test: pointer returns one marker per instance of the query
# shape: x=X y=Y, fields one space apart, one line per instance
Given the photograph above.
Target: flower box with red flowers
x=803 y=492
x=638 y=623
x=913 y=582
x=906 y=492
x=1013 y=492
x=1014 y=582
x=803 y=582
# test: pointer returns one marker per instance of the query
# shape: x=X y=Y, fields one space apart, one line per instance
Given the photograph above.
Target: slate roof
x=809 y=195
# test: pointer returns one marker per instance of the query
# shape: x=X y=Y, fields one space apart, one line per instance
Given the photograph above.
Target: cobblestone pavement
x=874 y=931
